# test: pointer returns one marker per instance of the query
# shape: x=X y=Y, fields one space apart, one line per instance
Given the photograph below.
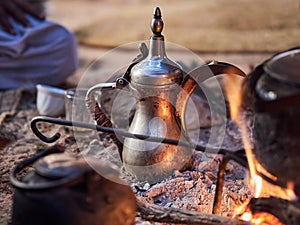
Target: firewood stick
x=157 y=213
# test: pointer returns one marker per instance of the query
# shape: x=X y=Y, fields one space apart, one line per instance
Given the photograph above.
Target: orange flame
x=233 y=92
x=259 y=186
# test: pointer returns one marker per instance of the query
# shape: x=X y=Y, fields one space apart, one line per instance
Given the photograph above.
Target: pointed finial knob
x=157 y=23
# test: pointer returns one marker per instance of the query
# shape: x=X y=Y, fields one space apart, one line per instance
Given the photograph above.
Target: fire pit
x=200 y=188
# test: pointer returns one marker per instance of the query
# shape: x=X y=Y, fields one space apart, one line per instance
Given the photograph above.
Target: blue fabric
x=44 y=53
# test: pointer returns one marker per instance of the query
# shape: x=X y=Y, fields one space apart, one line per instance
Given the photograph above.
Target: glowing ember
x=264 y=218
x=261 y=218
x=257 y=218
x=246 y=216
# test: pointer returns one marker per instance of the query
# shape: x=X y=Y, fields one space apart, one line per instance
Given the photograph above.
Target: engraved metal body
x=161 y=89
x=155 y=83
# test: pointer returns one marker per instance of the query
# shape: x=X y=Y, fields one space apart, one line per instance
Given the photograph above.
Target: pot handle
x=75 y=177
x=93 y=106
x=205 y=71
x=95 y=109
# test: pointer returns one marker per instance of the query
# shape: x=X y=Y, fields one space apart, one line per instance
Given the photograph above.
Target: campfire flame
x=233 y=92
x=259 y=186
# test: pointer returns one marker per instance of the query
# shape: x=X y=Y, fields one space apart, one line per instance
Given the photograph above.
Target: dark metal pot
x=63 y=190
x=272 y=92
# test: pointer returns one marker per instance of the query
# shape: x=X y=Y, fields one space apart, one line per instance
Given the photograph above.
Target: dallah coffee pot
x=161 y=89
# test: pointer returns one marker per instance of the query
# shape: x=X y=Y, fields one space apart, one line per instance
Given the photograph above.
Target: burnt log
x=161 y=214
x=288 y=212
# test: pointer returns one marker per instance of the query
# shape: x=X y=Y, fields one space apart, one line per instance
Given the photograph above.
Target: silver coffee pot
x=161 y=89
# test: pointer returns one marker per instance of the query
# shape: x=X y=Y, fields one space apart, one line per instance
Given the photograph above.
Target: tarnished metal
x=161 y=89
x=121 y=132
x=155 y=84
x=285 y=67
x=274 y=85
x=64 y=190
x=157 y=69
x=272 y=92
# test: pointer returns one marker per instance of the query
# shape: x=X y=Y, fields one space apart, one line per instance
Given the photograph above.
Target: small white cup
x=50 y=100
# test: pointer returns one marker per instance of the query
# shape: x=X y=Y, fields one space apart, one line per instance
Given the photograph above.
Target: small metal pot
x=63 y=190
x=272 y=91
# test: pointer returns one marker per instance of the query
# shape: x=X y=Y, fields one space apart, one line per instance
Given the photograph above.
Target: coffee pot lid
x=157 y=68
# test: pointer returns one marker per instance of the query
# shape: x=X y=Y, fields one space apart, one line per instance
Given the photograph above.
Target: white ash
x=194 y=189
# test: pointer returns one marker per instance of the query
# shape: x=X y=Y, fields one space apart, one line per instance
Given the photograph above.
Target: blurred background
x=243 y=32
x=206 y=25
